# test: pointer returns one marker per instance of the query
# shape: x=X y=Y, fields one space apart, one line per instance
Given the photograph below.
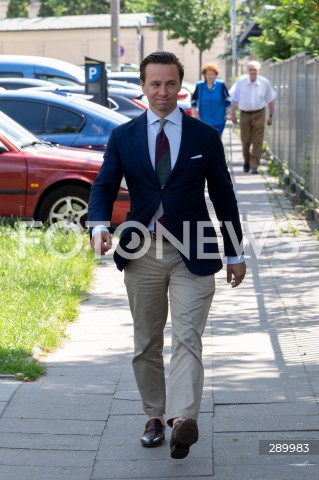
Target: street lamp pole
x=115 y=35
x=233 y=38
x=160 y=40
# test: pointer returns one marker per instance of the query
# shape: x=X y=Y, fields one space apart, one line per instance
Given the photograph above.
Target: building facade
x=72 y=38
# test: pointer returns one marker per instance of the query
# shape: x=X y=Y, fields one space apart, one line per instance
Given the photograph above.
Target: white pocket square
x=196 y=156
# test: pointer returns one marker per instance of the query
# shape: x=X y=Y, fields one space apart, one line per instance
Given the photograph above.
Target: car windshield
x=18 y=136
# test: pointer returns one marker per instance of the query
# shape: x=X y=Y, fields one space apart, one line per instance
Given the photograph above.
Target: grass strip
x=44 y=275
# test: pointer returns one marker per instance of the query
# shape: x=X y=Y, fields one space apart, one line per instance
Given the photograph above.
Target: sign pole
x=115 y=35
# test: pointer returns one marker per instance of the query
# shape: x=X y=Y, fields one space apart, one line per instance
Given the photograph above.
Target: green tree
x=196 y=21
x=290 y=28
x=18 y=8
x=249 y=8
x=57 y=8
x=134 y=6
x=52 y=8
x=247 y=11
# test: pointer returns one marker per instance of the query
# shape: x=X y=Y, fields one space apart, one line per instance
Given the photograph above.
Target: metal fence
x=294 y=135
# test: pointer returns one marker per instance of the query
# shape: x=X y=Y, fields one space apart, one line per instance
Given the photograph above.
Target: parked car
x=128 y=102
x=134 y=77
x=45 y=182
x=63 y=119
x=45 y=68
x=125 y=67
x=15 y=83
x=121 y=84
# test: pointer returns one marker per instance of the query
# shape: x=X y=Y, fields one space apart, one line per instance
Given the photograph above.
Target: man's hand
x=236 y=273
x=233 y=108
x=101 y=243
x=233 y=117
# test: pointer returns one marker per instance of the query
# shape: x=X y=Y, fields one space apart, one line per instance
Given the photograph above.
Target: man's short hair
x=164 y=58
x=254 y=64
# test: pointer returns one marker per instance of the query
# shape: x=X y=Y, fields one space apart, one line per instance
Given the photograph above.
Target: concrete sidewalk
x=83 y=420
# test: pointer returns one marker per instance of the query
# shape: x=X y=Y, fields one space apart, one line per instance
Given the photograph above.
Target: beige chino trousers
x=149 y=281
x=252 y=127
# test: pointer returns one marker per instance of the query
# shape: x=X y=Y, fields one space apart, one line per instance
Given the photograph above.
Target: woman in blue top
x=211 y=97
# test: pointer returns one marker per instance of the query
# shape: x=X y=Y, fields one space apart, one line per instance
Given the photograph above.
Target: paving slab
x=114 y=446
x=243 y=449
x=52 y=427
x=3 y=406
x=50 y=458
x=307 y=471
x=8 y=389
x=265 y=418
x=104 y=370
x=33 y=472
x=81 y=384
x=49 y=441
x=159 y=468
x=53 y=404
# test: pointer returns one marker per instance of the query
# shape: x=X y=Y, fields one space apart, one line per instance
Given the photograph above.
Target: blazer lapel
x=190 y=133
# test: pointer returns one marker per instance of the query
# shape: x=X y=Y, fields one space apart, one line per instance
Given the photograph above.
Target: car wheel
x=65 y=204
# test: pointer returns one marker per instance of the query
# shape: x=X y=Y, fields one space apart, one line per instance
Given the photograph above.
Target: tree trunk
x=200 y=63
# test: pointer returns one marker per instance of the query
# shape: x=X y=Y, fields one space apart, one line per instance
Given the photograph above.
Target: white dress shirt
x=252 y=96
x=173 y=131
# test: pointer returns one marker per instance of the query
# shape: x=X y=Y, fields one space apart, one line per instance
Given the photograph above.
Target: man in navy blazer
x=168 y=247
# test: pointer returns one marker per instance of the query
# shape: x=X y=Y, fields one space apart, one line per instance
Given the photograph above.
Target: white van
x=45 y=68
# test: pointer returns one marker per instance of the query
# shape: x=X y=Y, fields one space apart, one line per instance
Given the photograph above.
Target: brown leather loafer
x=184 y=434
x=154 y=434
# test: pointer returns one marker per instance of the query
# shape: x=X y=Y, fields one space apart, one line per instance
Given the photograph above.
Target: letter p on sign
x=94 y=73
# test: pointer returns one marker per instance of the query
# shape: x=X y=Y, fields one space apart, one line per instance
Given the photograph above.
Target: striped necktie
x=162 y=164
x=162 y=154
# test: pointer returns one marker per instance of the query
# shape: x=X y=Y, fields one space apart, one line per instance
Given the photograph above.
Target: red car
x=41 y=181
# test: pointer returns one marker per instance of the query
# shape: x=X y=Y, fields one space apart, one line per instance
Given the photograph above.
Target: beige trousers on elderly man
x=252 y=127
x=148 y=282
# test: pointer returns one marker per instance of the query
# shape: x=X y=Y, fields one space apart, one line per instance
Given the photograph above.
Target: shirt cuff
x=98 y=229
x=235 y=260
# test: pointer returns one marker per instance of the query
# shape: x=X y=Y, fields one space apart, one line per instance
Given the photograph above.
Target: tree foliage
x=291 y=28
x=196 y=21
x=247 y=11
x=248 y=8
x=18 y=9
x=57 y=8
x=134 y=6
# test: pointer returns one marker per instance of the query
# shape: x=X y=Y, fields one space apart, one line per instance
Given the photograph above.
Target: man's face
x=161 y=87
x=252 y=72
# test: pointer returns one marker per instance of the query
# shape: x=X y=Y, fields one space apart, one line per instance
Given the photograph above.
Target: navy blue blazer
x=201 y=158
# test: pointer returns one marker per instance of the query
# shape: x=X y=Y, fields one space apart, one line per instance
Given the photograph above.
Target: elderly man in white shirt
x=252 y=93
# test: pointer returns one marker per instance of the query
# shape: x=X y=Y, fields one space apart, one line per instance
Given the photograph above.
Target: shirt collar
x=257 y=82
x=175 y=117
